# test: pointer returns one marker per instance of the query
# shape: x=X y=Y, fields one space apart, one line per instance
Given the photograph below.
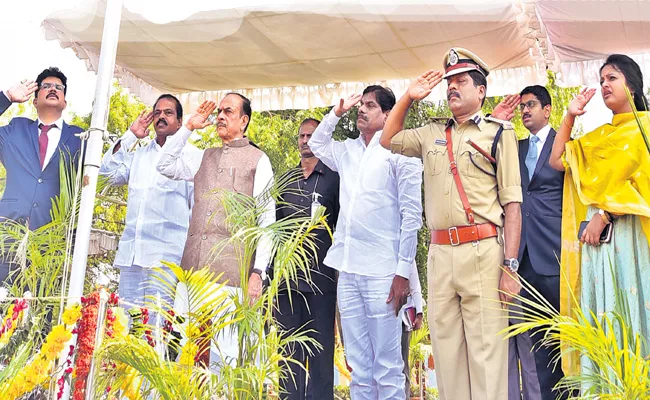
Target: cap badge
x=453 y=57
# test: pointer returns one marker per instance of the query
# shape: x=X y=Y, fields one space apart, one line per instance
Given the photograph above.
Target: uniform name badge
x=315 y=204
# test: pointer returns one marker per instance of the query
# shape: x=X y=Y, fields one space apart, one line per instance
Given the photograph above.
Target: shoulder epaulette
x=505 y=124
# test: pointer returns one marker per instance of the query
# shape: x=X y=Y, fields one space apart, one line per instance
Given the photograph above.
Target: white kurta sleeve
x=262 y=182
x=172 y=164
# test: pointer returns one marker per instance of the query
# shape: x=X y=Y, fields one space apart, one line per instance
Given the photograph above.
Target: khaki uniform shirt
x=486 y=194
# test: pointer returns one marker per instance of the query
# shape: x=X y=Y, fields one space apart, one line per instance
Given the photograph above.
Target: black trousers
x=548 y=372
x=317 y=312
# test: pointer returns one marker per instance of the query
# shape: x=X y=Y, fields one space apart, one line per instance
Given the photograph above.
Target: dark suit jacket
x=29 y=190
x=541 y=210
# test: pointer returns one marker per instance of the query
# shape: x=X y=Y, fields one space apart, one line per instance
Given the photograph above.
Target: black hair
x=245 y=107
x=479 y=80
x=539 y=92
x=179 y=107
x=633 y=76
x=52 y=72
x=385 y=96
x=307 y=121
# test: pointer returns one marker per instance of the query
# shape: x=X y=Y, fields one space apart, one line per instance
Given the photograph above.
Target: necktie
x=42 y=142
x=531 y=157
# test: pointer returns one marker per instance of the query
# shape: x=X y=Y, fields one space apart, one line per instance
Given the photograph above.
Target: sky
x=26 y=52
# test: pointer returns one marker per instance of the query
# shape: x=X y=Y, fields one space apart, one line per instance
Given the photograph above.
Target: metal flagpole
x=93 y=156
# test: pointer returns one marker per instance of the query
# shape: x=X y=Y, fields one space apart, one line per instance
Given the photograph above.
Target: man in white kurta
x=374 y=243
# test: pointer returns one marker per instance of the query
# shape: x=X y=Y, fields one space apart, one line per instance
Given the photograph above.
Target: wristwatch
x=604 y=215
x=512 y=264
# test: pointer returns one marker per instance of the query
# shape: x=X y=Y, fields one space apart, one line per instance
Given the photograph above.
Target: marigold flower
x=72 y=314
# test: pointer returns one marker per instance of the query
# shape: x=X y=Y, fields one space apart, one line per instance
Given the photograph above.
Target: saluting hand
x=346 y=104
x=578 y=104
x=422 y=86
x=140 y=127
x=200 y=118
x=21 y=92
x=505 y=110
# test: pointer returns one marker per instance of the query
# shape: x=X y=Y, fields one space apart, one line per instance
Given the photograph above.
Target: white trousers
x=372 y=337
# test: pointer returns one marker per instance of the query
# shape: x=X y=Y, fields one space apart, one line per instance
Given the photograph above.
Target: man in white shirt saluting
x=158 y=208
x=374 y=243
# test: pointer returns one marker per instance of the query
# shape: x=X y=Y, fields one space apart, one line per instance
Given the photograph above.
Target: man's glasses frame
x=530 y=104
x=50 y=85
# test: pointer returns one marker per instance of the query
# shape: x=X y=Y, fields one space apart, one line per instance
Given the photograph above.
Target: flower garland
x=86 y=331
x=147 y=331
x=12 y=320
x=38 y=370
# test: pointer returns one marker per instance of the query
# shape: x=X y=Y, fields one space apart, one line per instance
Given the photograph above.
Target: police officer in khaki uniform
x=472 y=195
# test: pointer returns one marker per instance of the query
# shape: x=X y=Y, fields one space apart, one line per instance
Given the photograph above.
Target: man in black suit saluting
x=541 y=211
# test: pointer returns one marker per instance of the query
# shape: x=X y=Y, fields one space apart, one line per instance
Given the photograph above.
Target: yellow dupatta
x=608 y=168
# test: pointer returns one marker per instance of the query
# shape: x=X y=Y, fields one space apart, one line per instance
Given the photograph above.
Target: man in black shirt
x=313 y=303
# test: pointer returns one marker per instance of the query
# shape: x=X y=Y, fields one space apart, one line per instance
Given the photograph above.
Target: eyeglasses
x=530 y=104
x=57 y=86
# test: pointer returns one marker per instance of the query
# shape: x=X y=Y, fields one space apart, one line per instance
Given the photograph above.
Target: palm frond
x=615 y=364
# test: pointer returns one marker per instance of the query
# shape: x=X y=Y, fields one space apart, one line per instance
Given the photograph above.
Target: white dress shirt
x=542 y=134
x=158 y=209
x=175 y=167
x=381 y=204
x=53 y=138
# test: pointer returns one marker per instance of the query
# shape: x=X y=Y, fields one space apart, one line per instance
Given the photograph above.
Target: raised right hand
x=200 y=118
x=578 y=104
x=422 y=86
x=346 y=104
x=140 y=127
x=21 y=92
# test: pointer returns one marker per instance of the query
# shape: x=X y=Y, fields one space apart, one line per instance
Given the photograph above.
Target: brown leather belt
x=464 y=234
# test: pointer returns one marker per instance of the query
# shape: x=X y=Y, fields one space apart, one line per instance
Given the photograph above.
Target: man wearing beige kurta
x=236 y=166
x=465 y=278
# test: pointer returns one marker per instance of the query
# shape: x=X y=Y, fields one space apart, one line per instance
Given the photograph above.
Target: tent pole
x=93 y=157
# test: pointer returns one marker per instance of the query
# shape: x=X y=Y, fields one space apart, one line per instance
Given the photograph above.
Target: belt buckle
x=451 y=236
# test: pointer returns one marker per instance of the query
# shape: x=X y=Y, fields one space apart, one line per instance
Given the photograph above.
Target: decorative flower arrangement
x=147 y=331
x=39 y=369
x=113 y=300
x=120 y=322
x=12 y=320
x=86 y=331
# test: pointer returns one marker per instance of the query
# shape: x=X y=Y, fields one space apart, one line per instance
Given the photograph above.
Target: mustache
x=221 y=125
x=52 y=94
x=161 y=121
x=363 y=117
x=526 y=116
x=452 y=94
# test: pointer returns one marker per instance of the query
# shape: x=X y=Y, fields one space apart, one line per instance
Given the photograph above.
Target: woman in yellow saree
x=607 y=179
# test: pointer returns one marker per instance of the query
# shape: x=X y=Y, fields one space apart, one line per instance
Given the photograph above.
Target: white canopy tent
x=308 y=53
